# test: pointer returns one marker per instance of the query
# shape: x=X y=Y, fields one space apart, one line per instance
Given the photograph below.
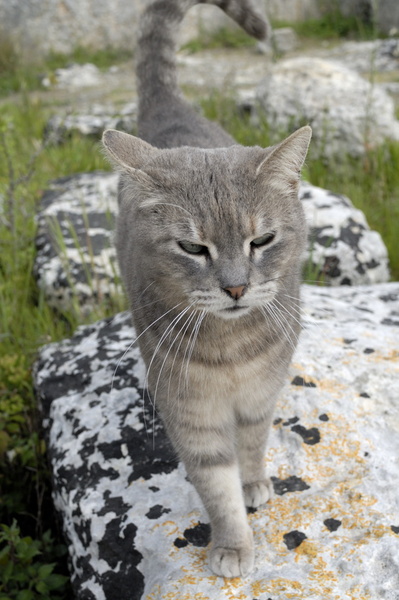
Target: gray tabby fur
x=217 y=328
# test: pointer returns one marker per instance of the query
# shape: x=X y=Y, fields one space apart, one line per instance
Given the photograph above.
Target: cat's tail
x=156 y=47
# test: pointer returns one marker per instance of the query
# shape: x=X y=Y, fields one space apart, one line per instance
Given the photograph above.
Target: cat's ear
x=126 y=151
x=282 y=166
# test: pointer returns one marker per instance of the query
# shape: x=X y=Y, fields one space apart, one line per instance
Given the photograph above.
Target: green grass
x=333 y=25
x=103 y=58
x=18 y=74
x=224 y=37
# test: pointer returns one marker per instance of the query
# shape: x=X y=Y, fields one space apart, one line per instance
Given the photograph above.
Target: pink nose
x=235 y=292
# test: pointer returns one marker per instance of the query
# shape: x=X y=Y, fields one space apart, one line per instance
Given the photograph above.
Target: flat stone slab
x=76 y=260
x=135 y=527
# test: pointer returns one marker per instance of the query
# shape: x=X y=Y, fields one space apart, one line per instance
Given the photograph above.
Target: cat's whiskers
x=307 y=322
x=161 y=340
x=183 y=331
x=196 y=329
x=282 y=315
x=287 y=311
x=187 y=353
x=180 y=331
x=273 y=311
x=136 y=339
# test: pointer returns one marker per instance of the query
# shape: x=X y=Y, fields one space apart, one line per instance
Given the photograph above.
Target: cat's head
x=221 y=229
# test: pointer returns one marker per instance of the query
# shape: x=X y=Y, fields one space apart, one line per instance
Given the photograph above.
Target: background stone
x=285 y=39
x=92 y=121
x=76 y=261
x=347 y=113
x=341 y=246
x=135 y=526
x=376 y=56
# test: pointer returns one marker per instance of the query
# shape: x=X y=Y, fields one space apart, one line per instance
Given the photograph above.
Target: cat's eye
x=264 y=240
x=192 y=248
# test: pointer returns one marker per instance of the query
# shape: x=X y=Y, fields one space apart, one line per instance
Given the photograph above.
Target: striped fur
x=217 y=326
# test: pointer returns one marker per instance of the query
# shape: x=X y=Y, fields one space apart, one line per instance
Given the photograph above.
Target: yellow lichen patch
x=182 y=596
x=170 y=527
x=232 y=587
x=156 y=592
x=332 y=386
x=292 y=589
x=358 y=593
x=306 y=549
x=338 y=447
x=198 y=560
x=392 y=356
x=194 y=575
x=323 y=578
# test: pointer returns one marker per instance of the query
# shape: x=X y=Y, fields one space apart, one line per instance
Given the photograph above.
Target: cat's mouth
x=234 y=311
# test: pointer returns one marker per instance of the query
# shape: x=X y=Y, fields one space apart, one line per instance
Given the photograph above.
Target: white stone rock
x=341 y=247
x=135 y=526
x=368 y=57
x=92 y=121
x=285 y=39
x=347 y=113
x=78 y=76
x=75 y=264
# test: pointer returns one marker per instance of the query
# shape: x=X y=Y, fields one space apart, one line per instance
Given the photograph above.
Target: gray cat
x=209 y=238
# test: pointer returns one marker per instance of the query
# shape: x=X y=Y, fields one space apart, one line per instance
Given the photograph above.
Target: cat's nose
x=235 y=292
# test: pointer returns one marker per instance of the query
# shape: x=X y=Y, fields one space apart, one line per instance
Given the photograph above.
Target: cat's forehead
x=215 y=189
x=198 y=162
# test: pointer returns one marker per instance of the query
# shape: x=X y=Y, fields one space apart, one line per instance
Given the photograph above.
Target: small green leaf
x=25 y=595
x=41 y=587
x=45 y=570
x=7 y=573
x=54 y=581
x=4 y=442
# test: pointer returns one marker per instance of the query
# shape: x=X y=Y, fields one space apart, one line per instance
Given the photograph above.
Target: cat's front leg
x=252 y=434
x=209 y=454
x=219 y=486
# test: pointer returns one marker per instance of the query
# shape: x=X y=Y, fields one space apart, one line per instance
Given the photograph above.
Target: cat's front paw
x=257 y=493
x=232 y=562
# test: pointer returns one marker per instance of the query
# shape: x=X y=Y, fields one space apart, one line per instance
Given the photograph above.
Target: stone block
x=135 y=527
